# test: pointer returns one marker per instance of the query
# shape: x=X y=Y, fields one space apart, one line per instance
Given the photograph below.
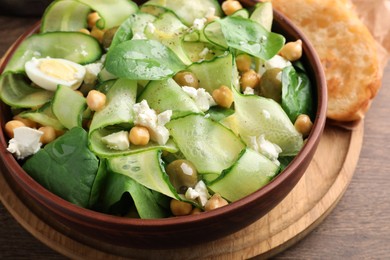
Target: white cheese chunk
x=26 y=142
x=265 y=147
x=202 y=98
x=117 y=141
x=91 y=72
x=249 y=91
x=191 y=194
x=199 y=23
x=147 y=117
x=276 y=61
x=204 y=195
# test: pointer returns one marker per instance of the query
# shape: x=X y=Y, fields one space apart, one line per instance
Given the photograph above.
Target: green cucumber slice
x=207 y=144
x=167 y=95
x=65 y=15
x=147 y=169
x=120 y=99
x=169 y=30
x=266 y=118
x=187 y=10
x=101 y=149
x=74 y=46
x=16 y=91
x=43 y=116
x=134 y=25
x=216 y=72
x=263 y=14
x=113 y=13
x=251 y=172
x=68 y=107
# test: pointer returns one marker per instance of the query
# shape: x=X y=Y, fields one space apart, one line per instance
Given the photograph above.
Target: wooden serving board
x=316 y=194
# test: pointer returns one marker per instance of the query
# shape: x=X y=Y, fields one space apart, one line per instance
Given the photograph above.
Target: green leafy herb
x=145 y=201
x=66 y=167
x=296 y=93
x=143 y=60
x=249 y=36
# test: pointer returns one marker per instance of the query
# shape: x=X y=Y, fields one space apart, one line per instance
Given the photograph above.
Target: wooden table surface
x=358 y=228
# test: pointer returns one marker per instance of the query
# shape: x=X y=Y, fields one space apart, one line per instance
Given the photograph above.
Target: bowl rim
x=59 y=205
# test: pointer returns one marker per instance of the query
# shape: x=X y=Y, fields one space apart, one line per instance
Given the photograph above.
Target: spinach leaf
x=145 y=201
x=142 y=60
x=249 y=36
x=66 y=167
x=296 y=93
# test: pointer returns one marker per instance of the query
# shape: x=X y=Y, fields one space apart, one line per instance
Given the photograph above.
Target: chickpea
x=243 y=62
x=97 y=34
x=180 y=208
x=86 y=31
x=231 y=6
x=186 y=78
x=212 y=18
x=139 y=135
x=216 y=201
x=26 y=121
x=223 y=96
x=96 y=100
x=49 y=134
x=303 y=125
x=10 y=126
x=196 y=211
x=292 y=51
x=92 y=19
x=249 y=79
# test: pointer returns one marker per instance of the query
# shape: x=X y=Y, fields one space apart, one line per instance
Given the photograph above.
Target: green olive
x=271 y=84
x=108 y=36
x=182 y=174
x=186 y=78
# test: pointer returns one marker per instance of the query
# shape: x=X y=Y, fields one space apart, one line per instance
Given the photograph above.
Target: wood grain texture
x=357 y=228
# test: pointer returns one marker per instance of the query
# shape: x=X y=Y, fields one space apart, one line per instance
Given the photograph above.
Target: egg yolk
x=57 y=70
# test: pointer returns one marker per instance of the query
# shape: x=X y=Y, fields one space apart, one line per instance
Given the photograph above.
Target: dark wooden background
x=358 y=228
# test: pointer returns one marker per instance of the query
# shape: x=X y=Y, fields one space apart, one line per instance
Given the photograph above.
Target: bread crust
x=347 y=50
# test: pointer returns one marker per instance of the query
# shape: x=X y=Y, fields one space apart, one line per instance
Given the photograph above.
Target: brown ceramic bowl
x=91 y=227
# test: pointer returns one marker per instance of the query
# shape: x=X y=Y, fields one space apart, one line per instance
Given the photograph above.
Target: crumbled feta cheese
x=202 y=98
x=26 y=142
x=199 y=192
x=249 y=91
x=277 y=61
x=199 y=23
x=265 y=147
x=117 y=141
x=204 y=195
x=147 y=117
x=91 y=72
x=191 y=194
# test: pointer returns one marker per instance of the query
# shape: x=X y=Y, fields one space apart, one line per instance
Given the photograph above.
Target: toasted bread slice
x=347 y=51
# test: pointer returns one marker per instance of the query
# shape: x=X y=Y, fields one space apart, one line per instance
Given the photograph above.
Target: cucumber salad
x=168 y=108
